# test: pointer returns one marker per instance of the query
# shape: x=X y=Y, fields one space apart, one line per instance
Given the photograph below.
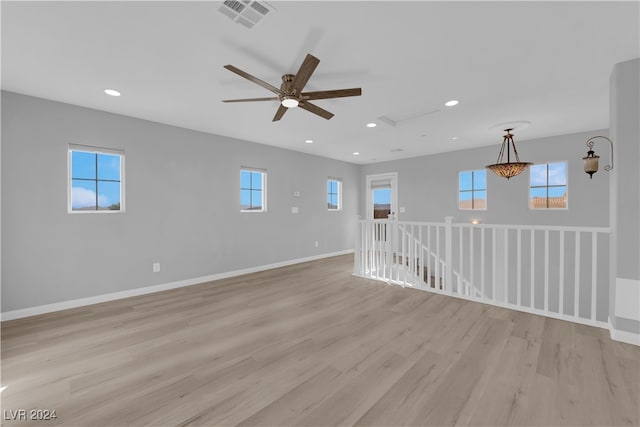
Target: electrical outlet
x=156 y=267
x=294 y=210
x=316 y=243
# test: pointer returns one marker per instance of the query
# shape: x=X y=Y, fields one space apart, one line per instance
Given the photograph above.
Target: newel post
x=448 y=252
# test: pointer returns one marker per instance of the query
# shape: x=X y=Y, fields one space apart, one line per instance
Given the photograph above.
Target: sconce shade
x=508 y=169
x=591 y=163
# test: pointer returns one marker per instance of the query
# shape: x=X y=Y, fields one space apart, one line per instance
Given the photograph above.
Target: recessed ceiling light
x=355 y=153
x=454 y=137
x=371 y=125
x=112 y=92
x=308 y=141
x=451 y=103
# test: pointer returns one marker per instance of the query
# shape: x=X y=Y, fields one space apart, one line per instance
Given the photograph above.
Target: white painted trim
x=627 y=302
x=81 y=302
x=623 y=336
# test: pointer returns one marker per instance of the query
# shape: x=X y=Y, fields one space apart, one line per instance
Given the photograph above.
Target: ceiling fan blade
x=315 y=109
x=256 y=80
x=304 y=73
x=281 y=110
x=326 y=94
x=273 y=98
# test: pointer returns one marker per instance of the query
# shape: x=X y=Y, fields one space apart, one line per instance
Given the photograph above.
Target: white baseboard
x=81 y=302
x=623 y=336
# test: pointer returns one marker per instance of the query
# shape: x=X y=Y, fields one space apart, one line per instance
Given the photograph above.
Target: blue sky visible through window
x=251 y=183
x=472 y=192
x=381 y=203
x=333 y=194
x=548 y=188
x=95 y=181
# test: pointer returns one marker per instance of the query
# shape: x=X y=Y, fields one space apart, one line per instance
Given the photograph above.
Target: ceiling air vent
x=245 y=12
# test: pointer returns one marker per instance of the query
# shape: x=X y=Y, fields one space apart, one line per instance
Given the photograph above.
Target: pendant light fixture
x=508 y=169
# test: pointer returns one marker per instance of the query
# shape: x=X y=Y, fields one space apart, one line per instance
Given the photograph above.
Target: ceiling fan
x=290 y=93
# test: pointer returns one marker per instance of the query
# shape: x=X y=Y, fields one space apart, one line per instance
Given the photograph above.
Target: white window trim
x=264 y=188
x=566 y=185
x=102 y=150
x=339 y=181
x=486 y=190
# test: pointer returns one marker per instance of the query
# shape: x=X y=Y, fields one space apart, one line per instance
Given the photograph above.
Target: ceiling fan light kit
x=289 y=102
x=508 y=169
x=290 y=93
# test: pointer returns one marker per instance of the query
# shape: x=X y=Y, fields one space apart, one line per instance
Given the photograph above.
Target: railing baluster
x=561 y=275
x=494 y=267
x=461 y=255
x=437 y=278
x=471 y=250
x=546 y=270
x=576 y=290
x=421 y=252
x=412 y=241
x=506 y=266
x=532 y=284
x=483 y=291
x=431 y=269
x=594 y=273
x=519 y=267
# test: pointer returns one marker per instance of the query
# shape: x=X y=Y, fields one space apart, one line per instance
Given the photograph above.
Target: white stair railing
x=560 y=272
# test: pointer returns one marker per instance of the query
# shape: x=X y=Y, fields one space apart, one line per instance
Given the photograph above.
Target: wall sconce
x=591 y=160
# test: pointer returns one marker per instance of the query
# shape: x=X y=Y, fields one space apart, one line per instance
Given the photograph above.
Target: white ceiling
x=544 y=62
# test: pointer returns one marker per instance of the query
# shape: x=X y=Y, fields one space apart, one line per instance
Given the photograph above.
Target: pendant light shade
x=508 y=169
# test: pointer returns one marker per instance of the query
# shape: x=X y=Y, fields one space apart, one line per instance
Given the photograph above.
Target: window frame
x=263 y=191
x=94 y=150
x=547 y=186
x=474 y=190
x=338 y=181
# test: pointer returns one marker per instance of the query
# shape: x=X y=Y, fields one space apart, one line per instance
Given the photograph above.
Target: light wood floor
x=311 y=345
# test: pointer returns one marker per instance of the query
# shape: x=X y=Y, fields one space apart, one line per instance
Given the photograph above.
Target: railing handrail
x=497 y=226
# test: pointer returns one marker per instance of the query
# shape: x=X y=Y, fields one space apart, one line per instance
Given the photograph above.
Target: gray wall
x=428 y=186
x=182 y=205
x=624 y=110
x=625 y=133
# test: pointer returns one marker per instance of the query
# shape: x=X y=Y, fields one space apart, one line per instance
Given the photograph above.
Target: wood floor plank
x=310 y=344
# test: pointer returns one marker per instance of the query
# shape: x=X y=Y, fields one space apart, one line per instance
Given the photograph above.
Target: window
x=252 y=190
x=548 y=188
x=95 y=179
x=381 y=203
x=334 y=194
x=472 y=190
